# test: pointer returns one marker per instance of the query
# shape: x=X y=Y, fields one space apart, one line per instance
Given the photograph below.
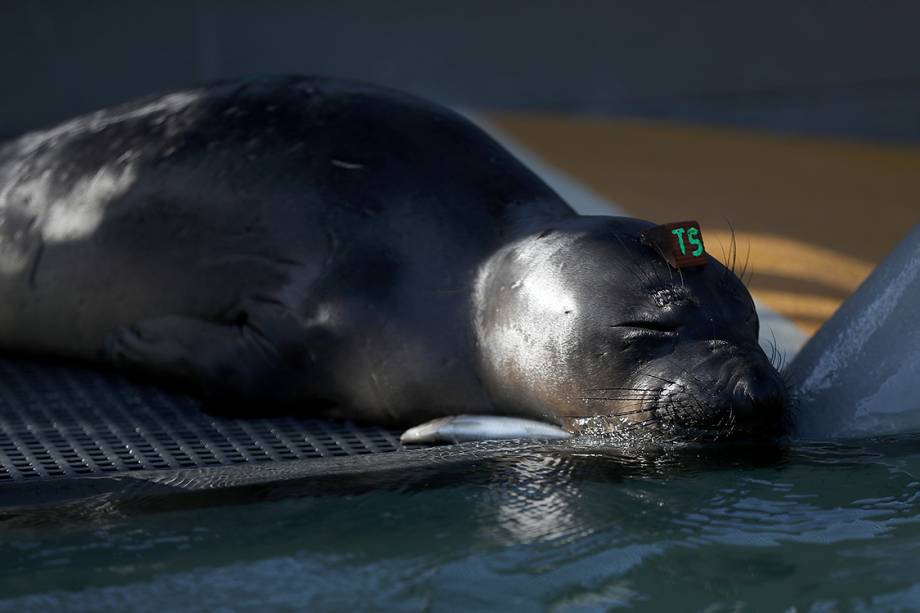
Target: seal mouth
x=749 y=407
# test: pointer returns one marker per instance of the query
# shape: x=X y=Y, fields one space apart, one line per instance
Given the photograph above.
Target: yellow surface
x=813 y=216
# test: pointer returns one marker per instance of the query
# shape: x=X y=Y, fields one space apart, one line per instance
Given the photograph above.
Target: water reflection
x=563 y=527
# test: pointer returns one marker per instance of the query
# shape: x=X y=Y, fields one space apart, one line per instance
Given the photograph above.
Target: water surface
x=811 y=527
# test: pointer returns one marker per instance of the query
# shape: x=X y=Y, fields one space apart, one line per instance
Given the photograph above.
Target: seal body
x=343 y=249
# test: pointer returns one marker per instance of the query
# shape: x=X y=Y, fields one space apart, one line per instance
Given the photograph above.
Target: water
x=813 y=527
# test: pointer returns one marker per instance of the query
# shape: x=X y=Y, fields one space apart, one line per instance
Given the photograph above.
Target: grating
x=59 y=421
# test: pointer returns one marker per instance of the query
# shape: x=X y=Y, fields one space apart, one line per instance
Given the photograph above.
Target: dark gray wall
x=839 y=67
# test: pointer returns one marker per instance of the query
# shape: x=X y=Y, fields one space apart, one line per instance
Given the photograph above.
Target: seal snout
x=758 y=403
x=734 y=393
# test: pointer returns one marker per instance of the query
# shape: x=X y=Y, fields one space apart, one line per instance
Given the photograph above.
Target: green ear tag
x=681 y=243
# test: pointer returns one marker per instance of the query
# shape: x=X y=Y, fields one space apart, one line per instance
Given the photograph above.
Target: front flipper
x=465 y=428
x=228 y=364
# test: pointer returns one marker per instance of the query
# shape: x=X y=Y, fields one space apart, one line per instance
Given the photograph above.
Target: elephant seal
x=346 y=250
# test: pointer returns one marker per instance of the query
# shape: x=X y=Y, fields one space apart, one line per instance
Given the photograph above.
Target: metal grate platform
x=59 y=421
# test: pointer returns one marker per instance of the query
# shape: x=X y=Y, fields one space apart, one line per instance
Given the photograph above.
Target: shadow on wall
x=832 y=68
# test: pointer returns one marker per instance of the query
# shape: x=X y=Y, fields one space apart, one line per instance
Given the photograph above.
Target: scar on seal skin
x=340 y=249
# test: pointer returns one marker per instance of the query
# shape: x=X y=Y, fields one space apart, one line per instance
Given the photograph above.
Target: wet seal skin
x=335 y=248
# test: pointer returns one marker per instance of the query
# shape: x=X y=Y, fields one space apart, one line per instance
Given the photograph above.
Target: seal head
x=591 y=326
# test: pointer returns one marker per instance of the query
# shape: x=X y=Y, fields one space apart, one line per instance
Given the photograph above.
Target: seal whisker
x=726 y=273
x=652 y=274
x=637 y=270
x=650 y=277
x=670 y=271
x=644 y=409
x=777 y=357
x=773 y=348
x=609 y=399
x=619 y=394
x=631 y=267
x=747 y=260
x=683 y=371
x=605 y=389
x=665 y=380
x=661 y=253
x=614 y=398
x=733 y=251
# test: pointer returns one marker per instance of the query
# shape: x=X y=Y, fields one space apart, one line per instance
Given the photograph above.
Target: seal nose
x=759 y=404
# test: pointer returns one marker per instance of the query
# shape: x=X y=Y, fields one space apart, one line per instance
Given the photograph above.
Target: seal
x=340 y=249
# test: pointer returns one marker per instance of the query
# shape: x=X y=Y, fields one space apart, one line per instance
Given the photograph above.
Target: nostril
x=759 y=403
x=759 y=388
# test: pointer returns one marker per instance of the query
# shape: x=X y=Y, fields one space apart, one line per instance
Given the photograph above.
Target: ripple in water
x=567 y=527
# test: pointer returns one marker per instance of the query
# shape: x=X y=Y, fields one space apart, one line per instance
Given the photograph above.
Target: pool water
x=809 y=527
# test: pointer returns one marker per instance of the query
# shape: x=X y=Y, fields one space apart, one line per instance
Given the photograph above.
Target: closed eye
x=649 y=326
